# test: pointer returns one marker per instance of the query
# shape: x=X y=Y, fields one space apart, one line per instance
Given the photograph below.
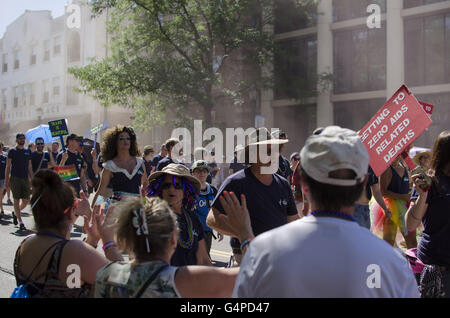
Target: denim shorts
x=362 y=215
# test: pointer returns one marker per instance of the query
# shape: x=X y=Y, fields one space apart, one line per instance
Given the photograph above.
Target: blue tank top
x=122 y=180
x=399 y=184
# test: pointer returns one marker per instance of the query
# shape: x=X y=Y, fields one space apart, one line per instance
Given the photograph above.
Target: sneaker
x=22 y=227
x=14 y=219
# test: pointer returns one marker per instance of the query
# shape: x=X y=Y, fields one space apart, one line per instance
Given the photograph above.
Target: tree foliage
x=168 y=54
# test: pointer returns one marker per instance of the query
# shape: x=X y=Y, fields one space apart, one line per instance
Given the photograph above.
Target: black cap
x=73 y=136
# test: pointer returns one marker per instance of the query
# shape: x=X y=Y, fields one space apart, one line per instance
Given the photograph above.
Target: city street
x=10 y=239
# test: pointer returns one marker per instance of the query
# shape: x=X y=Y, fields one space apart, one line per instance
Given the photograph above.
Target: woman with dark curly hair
x=181 y=190
x=123 y=165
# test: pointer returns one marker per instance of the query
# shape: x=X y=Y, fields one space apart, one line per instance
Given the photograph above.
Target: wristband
x=244 y=244
x=108 y=245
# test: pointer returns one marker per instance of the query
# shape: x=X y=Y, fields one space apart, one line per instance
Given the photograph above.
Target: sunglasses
x=297 y=159
x=74 y=206
x=124 y=138
x=167 y=185
x=39 y=143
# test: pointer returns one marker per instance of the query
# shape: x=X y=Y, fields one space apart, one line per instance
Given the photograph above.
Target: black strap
x=149 y=281
x=37 y=265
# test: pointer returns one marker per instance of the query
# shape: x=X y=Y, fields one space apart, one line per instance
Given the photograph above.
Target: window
x=352 y=9
x=416 y=3
x=360 y=60
x=46 y=51
x=288 y=17
x=16 y=96
x=73 y=50
x=31 y=90
x=33 y=55
x=5 y=63
x=24 y=91
x=355 y=114
x=295 y=68
x=4 y=99
x=45 y=91
x=427 y=50
x=16 y=60
x=55 y=85
x=57 y=45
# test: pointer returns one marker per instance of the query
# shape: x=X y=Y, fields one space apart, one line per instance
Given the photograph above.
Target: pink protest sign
x=393 y=128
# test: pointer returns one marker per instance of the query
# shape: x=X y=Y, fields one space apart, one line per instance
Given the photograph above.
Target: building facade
x=36 y=51
x=367 y=65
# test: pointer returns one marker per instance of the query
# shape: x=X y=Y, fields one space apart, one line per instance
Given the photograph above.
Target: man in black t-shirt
x=19 y=165
x=170 y=146
x=269 y=197
x=41 y=159
x=73 y=157
x=3 y=160
x=162 y=153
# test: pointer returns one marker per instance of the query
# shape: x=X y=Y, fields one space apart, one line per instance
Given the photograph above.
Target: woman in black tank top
x=395 y=188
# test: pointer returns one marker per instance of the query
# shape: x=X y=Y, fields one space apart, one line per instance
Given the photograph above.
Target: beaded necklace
x=335 y=214
x=187 y=244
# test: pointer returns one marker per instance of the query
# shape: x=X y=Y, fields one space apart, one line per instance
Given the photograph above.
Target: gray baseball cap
x=334 y=149
x=200 y=164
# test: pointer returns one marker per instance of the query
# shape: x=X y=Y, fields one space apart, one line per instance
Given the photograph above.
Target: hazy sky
x=10 y=10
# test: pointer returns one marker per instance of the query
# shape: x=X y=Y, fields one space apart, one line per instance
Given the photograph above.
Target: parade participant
x=73 y=157
x=269 y=196
x=213 y=167
x=333 y=255
x=89 y=155
x=395 y=188
x=236 y=165
x=162 y=154
x=362 y=209
x=42 y=260
x=7 y=191
x=432 y=209
x=170 y=145
x=200 y=170
x=123 y=166
x=200 y=153
x=40 y=159
x=55 y=152
x=3 y=160
x=19 y=165
x=284 y=169
x=149 y=231
x=176 y=185
x=147 y=156
x=32 y=147
x=295 y=157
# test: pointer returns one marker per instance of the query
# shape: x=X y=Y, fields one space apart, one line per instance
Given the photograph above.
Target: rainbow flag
x=67 y=173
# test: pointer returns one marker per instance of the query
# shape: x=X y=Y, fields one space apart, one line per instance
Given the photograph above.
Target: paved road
x=10 y=239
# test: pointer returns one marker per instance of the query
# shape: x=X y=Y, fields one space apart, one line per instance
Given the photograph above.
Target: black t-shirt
x=156 y=159
x=187 y=256
x=372 y=179
x=19 y=162
x=36 y=160
x=212 y=166
x=164 y=162
x=236 y=166
x=434 y=247
x=55 y=155
x=3 y=160
x=284 y=168
x=76 y=160
x=148 y=167
x=268 y=206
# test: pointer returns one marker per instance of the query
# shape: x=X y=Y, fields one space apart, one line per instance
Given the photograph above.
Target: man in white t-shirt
x=326 y=254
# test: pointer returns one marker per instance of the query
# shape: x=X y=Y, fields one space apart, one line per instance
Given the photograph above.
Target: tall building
x=368 y=65
x=35 y=53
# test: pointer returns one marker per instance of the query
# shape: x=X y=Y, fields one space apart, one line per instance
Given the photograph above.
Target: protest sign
x=393 y=128
x=58 y=128
x=428 y=108
x=94 y=131
x=67 y=173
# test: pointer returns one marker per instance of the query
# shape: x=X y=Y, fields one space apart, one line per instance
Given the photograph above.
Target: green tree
x=169 y=54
